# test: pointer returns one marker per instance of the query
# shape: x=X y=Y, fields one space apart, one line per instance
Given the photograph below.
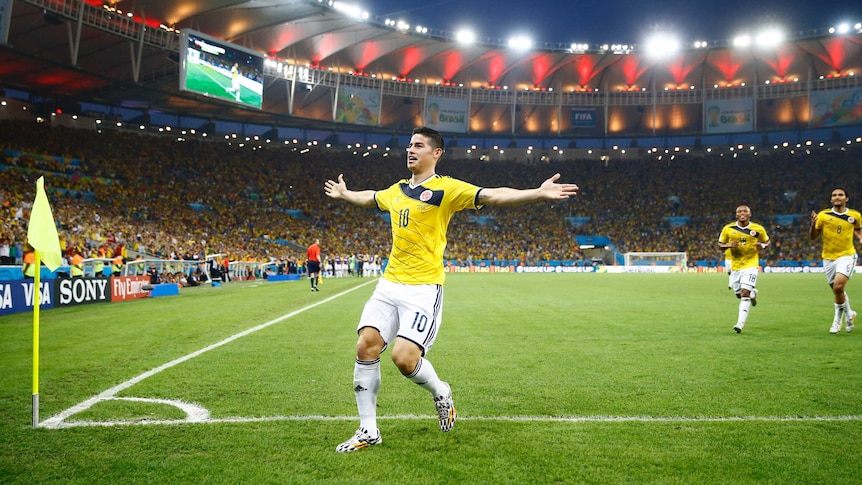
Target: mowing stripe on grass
x=514 y=419
x=56 y=421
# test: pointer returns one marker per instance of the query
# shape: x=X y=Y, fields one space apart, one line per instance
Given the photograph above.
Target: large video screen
x=220 y=70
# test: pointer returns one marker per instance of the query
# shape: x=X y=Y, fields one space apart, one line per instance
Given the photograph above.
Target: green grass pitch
x=557 y=378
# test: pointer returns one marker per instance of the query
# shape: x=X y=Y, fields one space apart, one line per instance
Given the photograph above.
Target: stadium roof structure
x=126 y=53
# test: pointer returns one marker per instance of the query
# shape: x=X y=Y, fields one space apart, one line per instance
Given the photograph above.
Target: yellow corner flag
x=42 y=235
x=42 y=231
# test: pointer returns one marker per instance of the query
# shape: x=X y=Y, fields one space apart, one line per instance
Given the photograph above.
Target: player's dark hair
x=432 y=134
x=840 y=188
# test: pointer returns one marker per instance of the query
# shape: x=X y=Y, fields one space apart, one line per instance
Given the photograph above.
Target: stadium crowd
x=115 y=191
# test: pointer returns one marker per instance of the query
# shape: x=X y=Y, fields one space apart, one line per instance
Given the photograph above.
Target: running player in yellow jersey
x=406 y=308
x=743 y=239
x=838 y=225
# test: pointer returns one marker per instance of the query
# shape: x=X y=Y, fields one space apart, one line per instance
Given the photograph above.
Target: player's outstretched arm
x=338 y=190
x=549 y=190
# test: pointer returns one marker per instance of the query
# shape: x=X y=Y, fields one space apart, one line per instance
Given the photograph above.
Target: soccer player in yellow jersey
x=838 y=225
x=743 y=239
x=406 y=308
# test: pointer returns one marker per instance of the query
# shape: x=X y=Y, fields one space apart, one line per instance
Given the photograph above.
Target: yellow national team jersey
x=838 y=232
x=420 y=217
x=745 y=255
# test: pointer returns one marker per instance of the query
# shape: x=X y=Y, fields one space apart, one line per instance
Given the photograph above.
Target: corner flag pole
x=37 y=290
x=42 y=235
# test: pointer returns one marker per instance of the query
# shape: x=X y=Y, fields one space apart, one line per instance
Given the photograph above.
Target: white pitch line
x=513 y=419
x=57 y=420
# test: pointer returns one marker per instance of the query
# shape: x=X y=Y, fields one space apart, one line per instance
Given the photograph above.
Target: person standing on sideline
x=744 y=239
x=77 y=266
x=99 y=266
x=5 y=253
x=406 y=308
x=837 y=226
x=29 y=267
x=117 y=265
x=313 y=264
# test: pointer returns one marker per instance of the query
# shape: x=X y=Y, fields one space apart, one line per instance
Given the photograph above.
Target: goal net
x=656 y=259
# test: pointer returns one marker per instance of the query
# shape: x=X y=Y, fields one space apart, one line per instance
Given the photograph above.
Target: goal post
x=679 y=259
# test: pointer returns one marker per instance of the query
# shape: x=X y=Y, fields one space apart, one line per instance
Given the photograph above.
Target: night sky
x=617 y=21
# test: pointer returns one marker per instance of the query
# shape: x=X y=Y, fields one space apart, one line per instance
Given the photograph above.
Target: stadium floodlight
x=661 y=46
x=769 y=38
x=465 y=36
x=350 y=10
x=843 y=28
x=742 y=40
x=520 y=43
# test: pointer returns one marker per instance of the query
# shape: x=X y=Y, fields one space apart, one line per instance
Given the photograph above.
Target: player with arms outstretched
x=838 y=225
x=406 y=308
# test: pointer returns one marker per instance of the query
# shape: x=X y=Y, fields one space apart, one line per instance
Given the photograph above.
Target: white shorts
x=744 y=279
x=412 y=312
x=843 y=265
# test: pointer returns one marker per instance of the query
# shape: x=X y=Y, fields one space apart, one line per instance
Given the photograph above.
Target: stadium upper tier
x=327 y=70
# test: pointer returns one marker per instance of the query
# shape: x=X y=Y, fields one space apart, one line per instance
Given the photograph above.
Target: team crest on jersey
x=423 y=194
x=752 y=233
x=851 y=220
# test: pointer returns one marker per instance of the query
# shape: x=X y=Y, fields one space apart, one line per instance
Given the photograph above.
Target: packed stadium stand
x=167 y=197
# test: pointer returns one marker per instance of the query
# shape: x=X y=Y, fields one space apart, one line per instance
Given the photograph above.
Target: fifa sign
x=583 y=118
